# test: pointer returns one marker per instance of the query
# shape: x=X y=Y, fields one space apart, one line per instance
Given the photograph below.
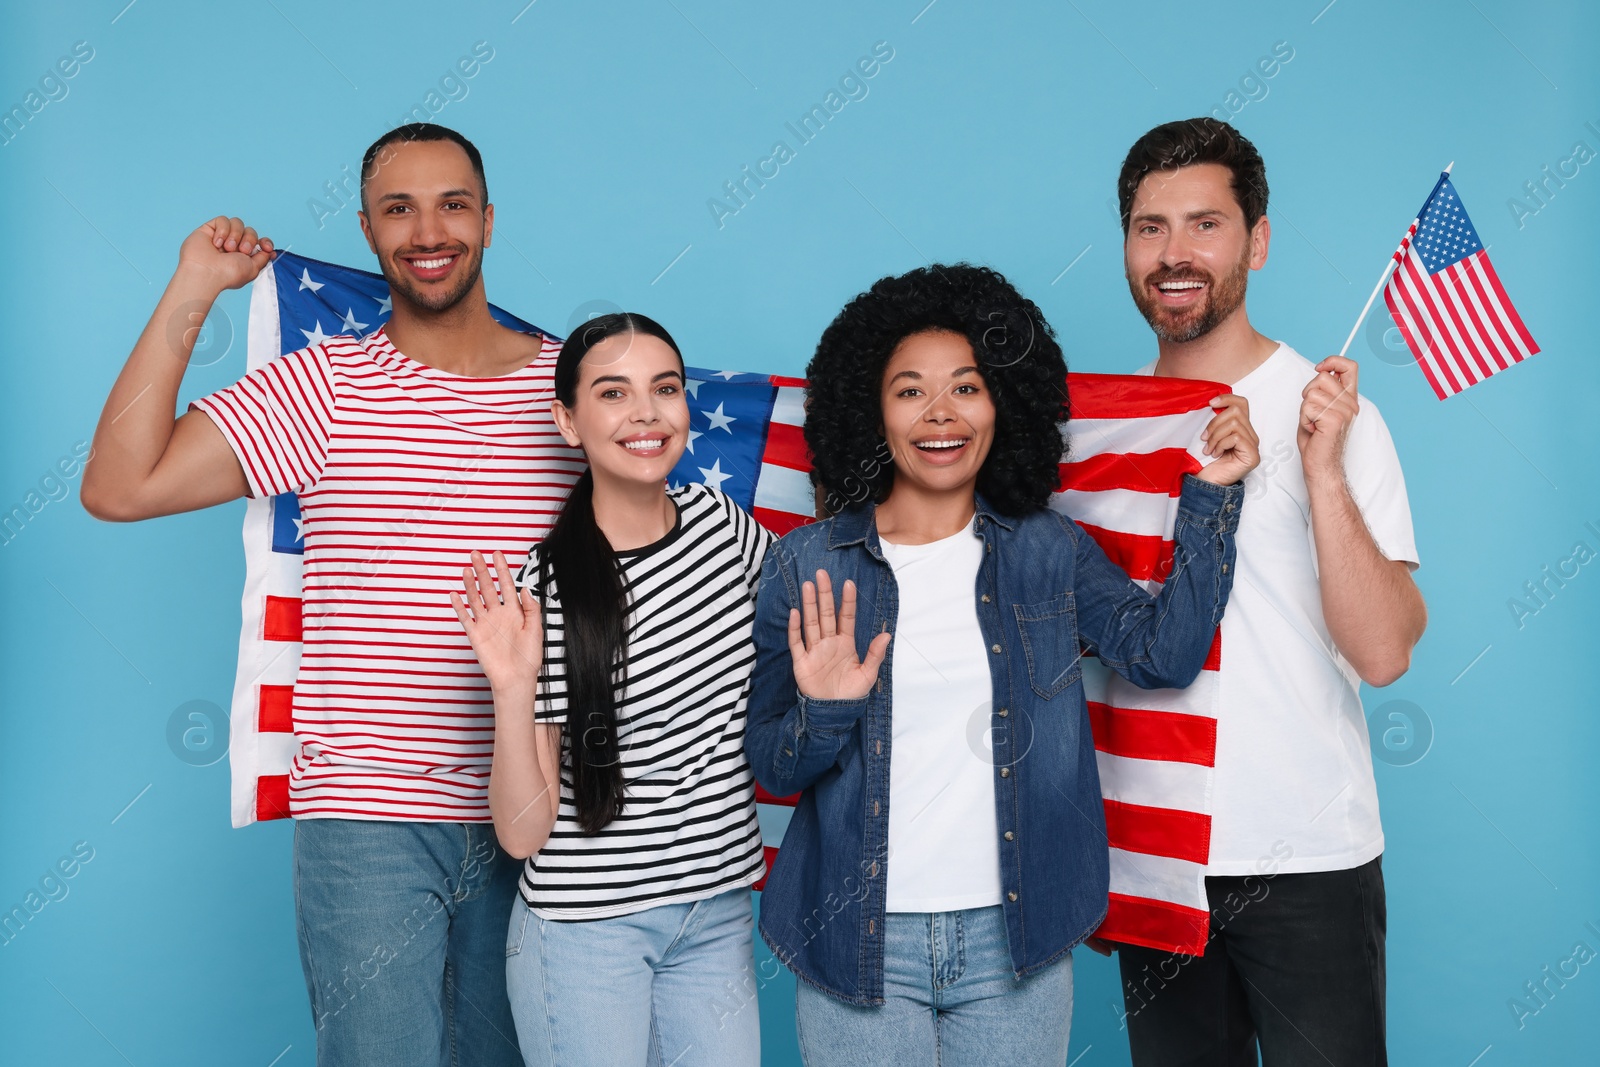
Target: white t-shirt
x=1294 y=770
x=943 y=849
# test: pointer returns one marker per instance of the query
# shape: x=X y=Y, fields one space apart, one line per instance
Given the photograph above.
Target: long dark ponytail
x=594 y=603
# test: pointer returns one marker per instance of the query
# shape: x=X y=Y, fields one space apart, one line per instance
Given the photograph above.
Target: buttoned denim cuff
x=829 y=716
x=1215 y=507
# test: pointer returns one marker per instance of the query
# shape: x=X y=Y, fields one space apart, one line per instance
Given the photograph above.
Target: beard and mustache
x=1222 y=298
x=402 y=284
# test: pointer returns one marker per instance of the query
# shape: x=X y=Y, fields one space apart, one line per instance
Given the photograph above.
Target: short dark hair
x=1186 y=143
x=1016 y=352
x=420 y=131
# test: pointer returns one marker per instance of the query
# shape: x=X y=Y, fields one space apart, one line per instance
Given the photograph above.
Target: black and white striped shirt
x=688 y=827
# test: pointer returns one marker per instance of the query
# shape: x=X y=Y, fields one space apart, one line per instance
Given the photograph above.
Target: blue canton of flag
x=1444 y=233
x=728 y=416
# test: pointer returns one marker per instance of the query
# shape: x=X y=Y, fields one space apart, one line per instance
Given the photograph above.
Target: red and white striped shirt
x=401 y=470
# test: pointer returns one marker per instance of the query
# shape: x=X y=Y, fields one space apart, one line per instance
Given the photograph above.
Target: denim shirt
x=1043 y=587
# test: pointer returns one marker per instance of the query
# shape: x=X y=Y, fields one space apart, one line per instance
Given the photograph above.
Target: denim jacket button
x=1224 y=568
x=995 y=649
x=1004 y=712
x=1005 y=772
x=985 y=598
x=1012 y=896
x=788 y=751
x=1010 y=836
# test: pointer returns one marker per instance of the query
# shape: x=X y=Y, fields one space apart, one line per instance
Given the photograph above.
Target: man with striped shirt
x=408 y=448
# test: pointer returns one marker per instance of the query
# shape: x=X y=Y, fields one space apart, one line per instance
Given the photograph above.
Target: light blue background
x=994 y=135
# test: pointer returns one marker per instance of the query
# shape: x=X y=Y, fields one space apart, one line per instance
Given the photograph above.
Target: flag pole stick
x=1389 y=266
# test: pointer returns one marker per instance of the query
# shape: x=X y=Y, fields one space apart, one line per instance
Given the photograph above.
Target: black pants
x=1294 y=963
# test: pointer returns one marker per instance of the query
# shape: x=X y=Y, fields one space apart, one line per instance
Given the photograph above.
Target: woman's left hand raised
x=507 y=635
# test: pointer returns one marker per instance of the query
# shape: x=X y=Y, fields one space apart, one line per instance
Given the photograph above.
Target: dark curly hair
x=1017 y=355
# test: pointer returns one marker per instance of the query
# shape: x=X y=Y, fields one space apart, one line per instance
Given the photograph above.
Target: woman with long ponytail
x=594 y=607
x=619 y=657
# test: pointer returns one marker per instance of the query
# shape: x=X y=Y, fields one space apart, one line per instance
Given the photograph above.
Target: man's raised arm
x=1374 y=610
x=146 y=462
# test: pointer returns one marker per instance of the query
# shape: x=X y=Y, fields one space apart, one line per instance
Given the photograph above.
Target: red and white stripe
x=1459 y=323
x=1132 y=439
x=784 y=500
x=784 y=495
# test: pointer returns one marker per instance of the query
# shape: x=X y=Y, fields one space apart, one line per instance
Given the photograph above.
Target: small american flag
x=1133 y=439
x=1448 y=301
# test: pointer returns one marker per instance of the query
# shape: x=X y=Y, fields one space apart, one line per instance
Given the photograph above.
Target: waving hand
x=823 y=644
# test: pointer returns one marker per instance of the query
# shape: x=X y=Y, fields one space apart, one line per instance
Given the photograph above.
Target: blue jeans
x=950 y=998
x=401 y=926
x=670 y=986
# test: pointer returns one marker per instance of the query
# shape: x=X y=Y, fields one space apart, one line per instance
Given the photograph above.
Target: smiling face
x=428 y=223
x=628 y=414
x=1188 y=253
x=938 y=414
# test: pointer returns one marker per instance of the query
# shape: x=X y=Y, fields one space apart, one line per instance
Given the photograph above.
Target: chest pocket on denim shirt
x=1050 y=642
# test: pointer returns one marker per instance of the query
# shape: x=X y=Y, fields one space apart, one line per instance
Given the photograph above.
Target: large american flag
x=1133 y=439
x=1448 y=301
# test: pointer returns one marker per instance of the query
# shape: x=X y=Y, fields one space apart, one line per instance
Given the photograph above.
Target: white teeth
x=1167 y=287
x=431 y=264
x=641 y=445
x=942 y=444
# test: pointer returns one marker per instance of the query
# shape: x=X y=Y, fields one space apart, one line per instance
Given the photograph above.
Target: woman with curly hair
x=948 y=848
